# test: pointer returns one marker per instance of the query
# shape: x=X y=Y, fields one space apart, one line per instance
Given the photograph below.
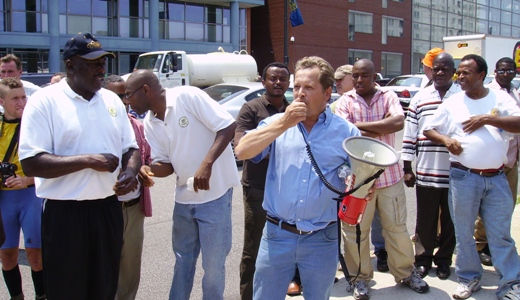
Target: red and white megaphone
x=367 y=157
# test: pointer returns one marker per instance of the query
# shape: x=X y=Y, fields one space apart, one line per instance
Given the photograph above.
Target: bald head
x=143 y=91
x=365 y=64
x=445 y=58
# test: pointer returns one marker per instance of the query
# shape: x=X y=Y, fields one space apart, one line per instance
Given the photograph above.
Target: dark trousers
x=254 y=220
x=430 y=203
x=81 y=248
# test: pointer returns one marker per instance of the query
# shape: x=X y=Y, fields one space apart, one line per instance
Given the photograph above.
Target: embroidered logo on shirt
x=112 y=111
x=183 y=122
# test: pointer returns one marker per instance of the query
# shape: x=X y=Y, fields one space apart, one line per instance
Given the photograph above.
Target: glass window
x=384 y=3
x=194 y=32
x=130 y=27
x=482 y=12
x=422 y=15
x=63 y=6
x=438 y=33
x=176 y=30
x=494 y=15
x=391 y=27
x=505 y=30
x=100 y=26
x=421 y=31
x=485 y=2
x=516 y=19
x=468 y=24
x=176 y=11
x=194 y=13
x=494 y=28
x=455 y=6
x=63 y=24
x=516 y=5
x=454 y=20
x=100 y=8
x=355 y=55
x=506 y=4
x=515 y=31
x=78 y=7
x=78 y=24
x=506 y=17
x=227 y=34
x=468 y=9
x=439 y=4
x=494 y=3
x=439 y=18
x=423 y=3
x=391 y=64
x=226 y=16
x=482 y=26
x=360 y=22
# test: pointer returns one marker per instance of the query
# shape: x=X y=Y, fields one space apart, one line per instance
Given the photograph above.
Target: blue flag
x=296 y=15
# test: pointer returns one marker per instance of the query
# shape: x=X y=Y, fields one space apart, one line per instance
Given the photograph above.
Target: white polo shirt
x=60 y=122
x=191 y=122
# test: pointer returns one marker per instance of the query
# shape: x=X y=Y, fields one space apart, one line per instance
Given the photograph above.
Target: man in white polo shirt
x=474 y=126
x=189 y=134
x=77 y=141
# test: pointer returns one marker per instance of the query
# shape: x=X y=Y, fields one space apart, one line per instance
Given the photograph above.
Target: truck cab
x=169 y=66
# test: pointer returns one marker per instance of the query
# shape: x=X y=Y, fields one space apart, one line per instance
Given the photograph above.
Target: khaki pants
x=480 y=231
x=130 y=265
x=391 y=204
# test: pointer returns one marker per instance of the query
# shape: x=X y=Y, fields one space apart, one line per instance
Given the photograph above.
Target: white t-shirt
x=191 y=122
x=486 y=147
x=29 y=88
x=60 y=122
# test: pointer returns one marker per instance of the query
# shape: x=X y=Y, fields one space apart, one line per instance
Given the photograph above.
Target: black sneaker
x=382 y=262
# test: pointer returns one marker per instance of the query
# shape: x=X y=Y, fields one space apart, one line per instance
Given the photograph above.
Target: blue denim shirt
x=293 y=191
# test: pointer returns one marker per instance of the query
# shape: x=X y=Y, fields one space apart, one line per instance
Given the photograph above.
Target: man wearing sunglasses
x=505 y=72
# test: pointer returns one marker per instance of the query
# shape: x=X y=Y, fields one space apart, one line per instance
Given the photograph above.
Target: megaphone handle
x=373 y=177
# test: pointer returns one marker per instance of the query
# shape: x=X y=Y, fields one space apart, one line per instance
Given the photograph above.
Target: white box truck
x=492 y=48
x=174 y=68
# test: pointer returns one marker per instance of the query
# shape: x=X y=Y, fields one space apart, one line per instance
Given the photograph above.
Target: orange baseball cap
x=430 y=56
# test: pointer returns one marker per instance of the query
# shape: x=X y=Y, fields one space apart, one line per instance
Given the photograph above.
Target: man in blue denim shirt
x=301 y=228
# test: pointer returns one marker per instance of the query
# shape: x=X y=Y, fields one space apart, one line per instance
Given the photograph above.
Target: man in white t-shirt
x=77 y=141
x=474 y=126
x=189 y=134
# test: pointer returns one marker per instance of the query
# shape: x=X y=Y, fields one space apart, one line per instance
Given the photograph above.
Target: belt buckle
x=304 y=232
x=480 y=173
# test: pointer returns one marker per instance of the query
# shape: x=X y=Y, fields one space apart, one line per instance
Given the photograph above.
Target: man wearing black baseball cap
x=77 y=140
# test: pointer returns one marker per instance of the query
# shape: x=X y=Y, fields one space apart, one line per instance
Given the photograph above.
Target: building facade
x=36 y=30
x=434 y=19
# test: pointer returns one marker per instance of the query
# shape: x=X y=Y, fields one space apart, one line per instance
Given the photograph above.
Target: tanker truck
x=491 y=48
x=174 y=68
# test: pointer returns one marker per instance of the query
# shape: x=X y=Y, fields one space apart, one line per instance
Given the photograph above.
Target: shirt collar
x=71 y=93
x=266 y=102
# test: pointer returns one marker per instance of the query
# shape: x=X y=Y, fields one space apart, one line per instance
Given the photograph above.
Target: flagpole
x=285 y=35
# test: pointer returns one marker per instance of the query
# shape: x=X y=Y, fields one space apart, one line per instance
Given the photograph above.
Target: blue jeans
x=280 y=252
x=202 y=228
x=470 y=194
x=376 y=233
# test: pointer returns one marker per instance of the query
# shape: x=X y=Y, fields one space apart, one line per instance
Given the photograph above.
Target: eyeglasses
x=508 y=72
x=130 y=95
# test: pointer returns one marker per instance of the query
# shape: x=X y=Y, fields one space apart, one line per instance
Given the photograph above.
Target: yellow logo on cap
x=112 y=111
x=93 y=44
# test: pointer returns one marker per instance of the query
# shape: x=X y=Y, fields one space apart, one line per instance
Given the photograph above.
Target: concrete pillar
x=54 y=34
x=235 y=21
x=154 y=24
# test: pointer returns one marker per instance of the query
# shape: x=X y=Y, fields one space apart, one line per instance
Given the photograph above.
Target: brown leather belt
x=481 y=172
x=289 y=227
x=131 y=202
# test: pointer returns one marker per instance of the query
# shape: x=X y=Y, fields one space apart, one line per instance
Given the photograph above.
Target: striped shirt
x=432 y=165
x=514 y=144
x=354 y=108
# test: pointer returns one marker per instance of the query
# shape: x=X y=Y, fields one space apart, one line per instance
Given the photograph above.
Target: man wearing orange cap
x=428 y=61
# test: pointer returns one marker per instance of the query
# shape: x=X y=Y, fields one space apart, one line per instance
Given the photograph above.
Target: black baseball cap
x=86 y=46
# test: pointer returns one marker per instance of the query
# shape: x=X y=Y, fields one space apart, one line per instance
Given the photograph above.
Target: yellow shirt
x=8 y=128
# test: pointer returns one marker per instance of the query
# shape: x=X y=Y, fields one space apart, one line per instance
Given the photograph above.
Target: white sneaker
x=360 y=290
x=513 y=293
x=465 y=289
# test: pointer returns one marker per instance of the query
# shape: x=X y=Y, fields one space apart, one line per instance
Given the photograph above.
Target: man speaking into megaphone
x=301 y=227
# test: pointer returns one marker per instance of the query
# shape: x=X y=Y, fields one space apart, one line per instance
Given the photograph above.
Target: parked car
x=233 y=95
x=406 y=86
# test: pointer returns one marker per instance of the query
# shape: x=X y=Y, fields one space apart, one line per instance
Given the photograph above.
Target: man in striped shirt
x=432 y=172
x=378 y=114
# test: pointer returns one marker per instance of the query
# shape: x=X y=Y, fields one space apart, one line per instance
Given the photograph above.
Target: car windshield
x=406 y=81
x=148 y=62
x=219 y=92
